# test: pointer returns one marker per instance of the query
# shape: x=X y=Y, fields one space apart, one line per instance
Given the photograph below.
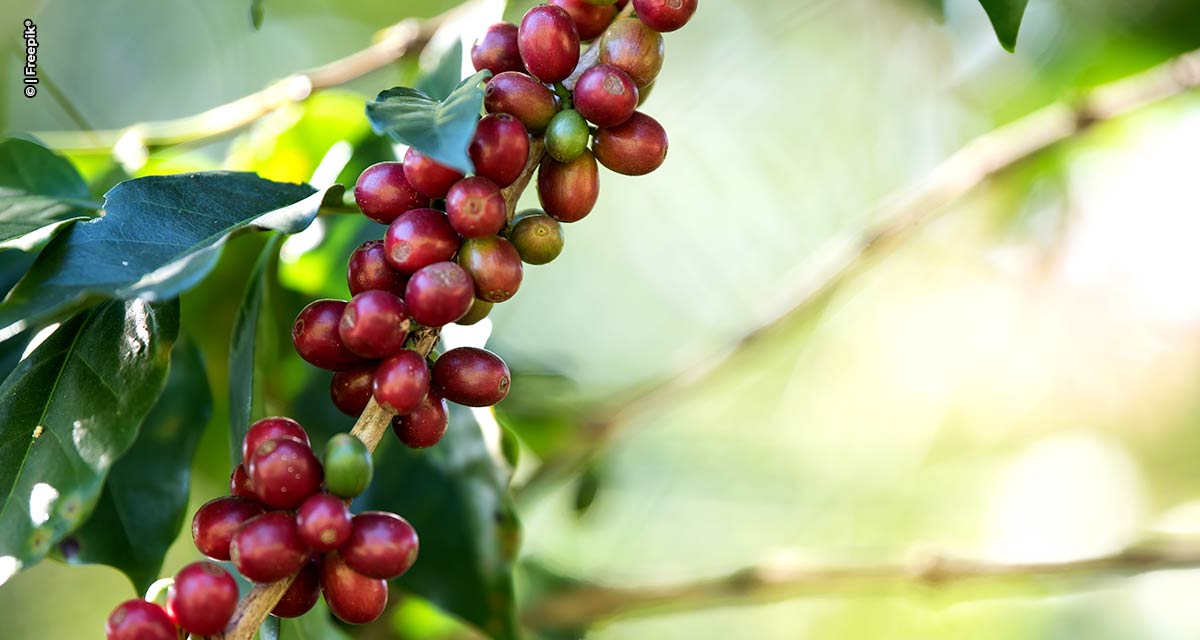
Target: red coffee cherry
x=139 y=620
x=591 y=19
x=284 y=473
x=303 y=594
x=351 y=390
x=471 y=377
x=499 y=149
x=568 y=191
x=401 y=382
x=440 y=294
x=239 y=484
x=476 y=208
x=549 y=43
x=382 y=192
x=425 y=426
x=269 y=429
x=351 y=596
x=634 y=48
x=214 y=524
x=315 y=335
x=665 y=15
x=369 y=270
x=537 y=237
x=324 y=522
x=634 y=148
x=428 y=176
x=523 y=98
x=374 y=324
x=420 y=238
x=382 y=545
x=478 y=311
x=494 y=265
x=202 y=599
x=606 y=95
x=497 y=51
x=268 y=548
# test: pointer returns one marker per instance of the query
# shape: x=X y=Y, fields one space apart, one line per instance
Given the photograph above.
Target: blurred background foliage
x=1019 y=381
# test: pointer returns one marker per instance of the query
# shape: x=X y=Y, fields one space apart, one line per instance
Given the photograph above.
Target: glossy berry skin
x=214 y=524
x=634 y=48
x=568 y=191
x=440 y=294
x=567 y=136
x=537 y=237
x=665 y=15
x=420 y=238
x=402 y=382
x=428 y=176
x=302 y=596
x=476 y=208
x=523 y=98
x=499 y=149
x=374 y=324
x=315 y=336
x=284 y=473
x=139 y=620
x=323 y=522
x=471 y=377
x=634 y=148
x=590 y=20
x=269 y=429
x=239 y=484
x=268 y=548
x=498 y=51
x=351 y=390
x=369 y=270
x=202 y=599
x=425 y=426
x=605 y=95
x=549 y=43
x=351 y=596
x=382 y=545
x=348 y=466
x=383 y=192
x=478 y=311
x=494 y=265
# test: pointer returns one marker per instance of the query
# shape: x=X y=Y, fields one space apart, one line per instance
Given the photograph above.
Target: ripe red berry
x=401 y=382
x=476 y=208
x=497 y=51
x=284 y=473
x=351 y=596
x=549 y=43
x=214 y=524
x=425 y=426
x=478 y=311
x=499 y=149
x=202 y=599
x=369 y=270
x=420 y=238
x=494 y=265
x=591 y=19
x=634 y=148
x=374 y=324
x=537 y=237
x=382 y=192
x=382 y=545
x=523 y=98
x=303 y=594
x=634 y=48
x=471 y=377
x=606 y=95
x=568 y=191
x=269 y=429
x=315 y=335
x=239 y=484
x=139 y=620
x=428 y=176
x=439 y=294
x=351 y=390
x=665 y=15
x=324 y=522
x=268 y=548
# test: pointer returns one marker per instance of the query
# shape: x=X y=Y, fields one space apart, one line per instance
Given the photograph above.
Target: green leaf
x=158 y=237
x=68 y=412
x=38 y=190
x=257 y=9
x=442 y=129
x=317 y=624
x=1006 y=18
x=441 y=80
x=242 y=379
x=145 y=499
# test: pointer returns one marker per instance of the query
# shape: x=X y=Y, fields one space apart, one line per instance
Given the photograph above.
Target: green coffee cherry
x=567 y=135
x=348 y=466
x=479 y=310
x=537 y=237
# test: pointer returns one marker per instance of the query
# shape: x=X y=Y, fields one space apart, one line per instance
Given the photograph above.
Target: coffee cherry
x=606 y=95
x=634 y=48
x=665 y=15
x=497 y=51
x=471 y=377
x=523 y=98
x=374 y=324
x=351 y=596
x=476 y=208
x=269 y=429
x=382 y=192
x=549 y=43
x=315 y=335
x=369 y=270
x=284 y=473
x=348 y=466
x=604 y=3
x=440 y=294
x=634 y=148
x=567 y=136
x=425 y=426
x=478 y=311
x=302 y=596
x=428 y=176
x=644 y=93
x=419 y=238
x=382 y=545
x=202 y=599
x=537 y=237
x=499 y=149
x=351 y=390
x=323 y=522
x=494 y=265
x=239 y=484
x=214 y=524
x=401 y=382
x=568 y=191
x=268 y=547
x=139 y=620
x=590 y=19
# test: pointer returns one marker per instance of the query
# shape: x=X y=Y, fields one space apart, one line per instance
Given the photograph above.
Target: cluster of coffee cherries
x=287 y=515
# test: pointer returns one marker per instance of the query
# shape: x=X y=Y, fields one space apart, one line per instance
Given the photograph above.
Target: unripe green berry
x=567 y=135
x=348 y=466
x=537 y=237
x=479 y=310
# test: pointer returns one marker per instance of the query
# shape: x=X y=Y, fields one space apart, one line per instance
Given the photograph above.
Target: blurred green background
x=1018 y=382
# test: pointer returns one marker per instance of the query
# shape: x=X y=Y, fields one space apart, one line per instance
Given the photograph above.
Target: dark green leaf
x=439 y=81
x=38 y=189
x=159 y=236
x=68 y=412
x=257 y=9
x=314 y=625
x=242 y=379
x=145 y=499
x=1006 y=18
x=441 y=130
